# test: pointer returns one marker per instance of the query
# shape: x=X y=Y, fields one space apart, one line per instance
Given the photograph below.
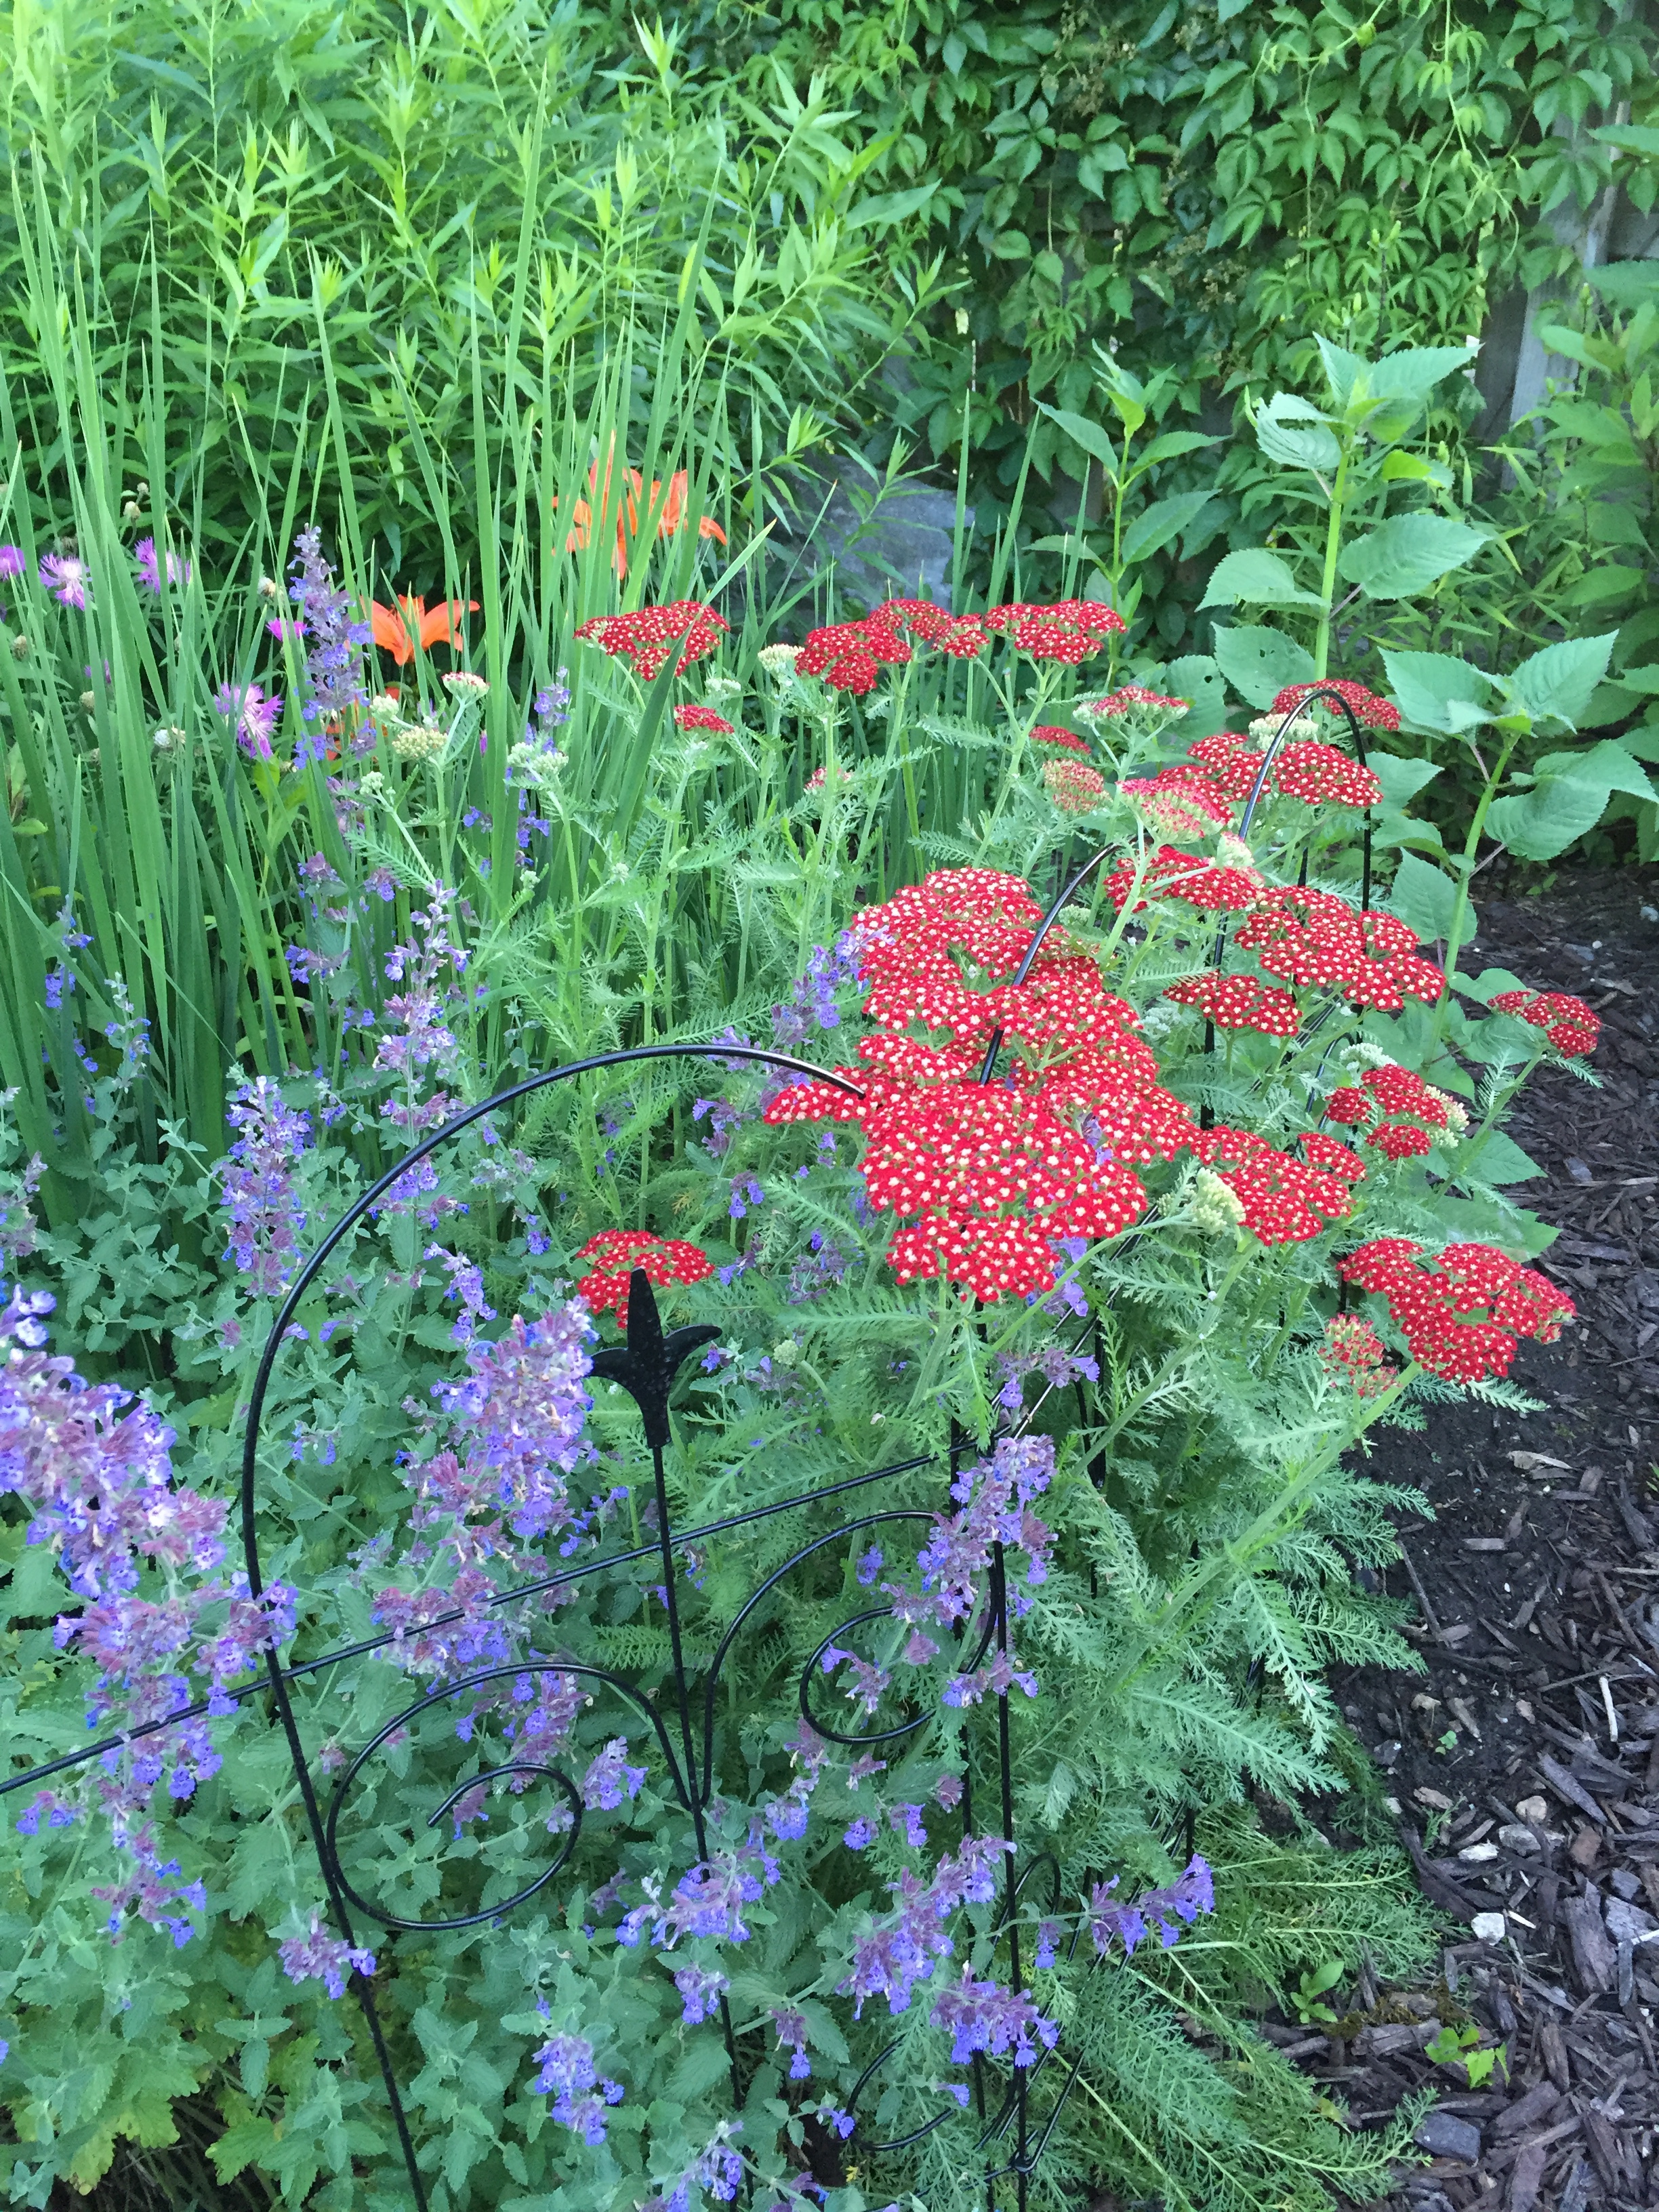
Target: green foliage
x=1212 y=187
x=341 y=246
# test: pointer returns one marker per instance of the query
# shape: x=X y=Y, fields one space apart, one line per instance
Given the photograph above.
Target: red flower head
x=1336 y=1159
x=646 y=637
x=1373 y=713
x=995 y=1177
x=962 y=636
x=617 y=1252
x=1069 y=630
x=1175 y=874
x=1401 y=1140
x=1431 y=1302
x=1180 y=802
x=1323 y=775
x=1238 y=1002
x=1312 y=938
x=849 y=656
x=1074 y=787
x=1567 y=1022
x=1050 y=733
x=1232 y=763
x=1353 y=1352
x=994 y=1173
x=691 y=716
x=1285 y=1201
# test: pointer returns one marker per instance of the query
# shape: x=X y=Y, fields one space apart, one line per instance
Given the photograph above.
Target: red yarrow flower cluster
x=1285 y=1201
x=1460 y=1312
x=617 y=1252
x=1050 y=733
x=1391 y=1091
x=1074 y=787
x=1171 y=873
x=1314 y=938
x=646 y=637
x=1230 y=761
x=691 y=716
x=1238 y=1002
x=1067 y=630
x=1567 y=1022
x=996 y=1173
x=1180 y=802
x=849 y=656
x=1373 y=713
x=1321 y=775
x=1353 y=1352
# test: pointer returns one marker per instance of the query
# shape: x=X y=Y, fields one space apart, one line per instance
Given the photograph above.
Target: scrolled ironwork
x=682 y=1721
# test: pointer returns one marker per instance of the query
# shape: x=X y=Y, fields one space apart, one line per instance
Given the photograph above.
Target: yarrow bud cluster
x=1073 y=788
x=1353 y=1352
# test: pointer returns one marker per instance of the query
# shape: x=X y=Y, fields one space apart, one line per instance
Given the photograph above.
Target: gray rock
x=1444 y=2136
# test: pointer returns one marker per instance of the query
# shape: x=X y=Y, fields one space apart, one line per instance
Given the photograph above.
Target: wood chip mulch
x=1525 y=1762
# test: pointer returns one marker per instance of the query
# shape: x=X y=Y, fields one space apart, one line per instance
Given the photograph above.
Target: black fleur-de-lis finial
x=646 y=1365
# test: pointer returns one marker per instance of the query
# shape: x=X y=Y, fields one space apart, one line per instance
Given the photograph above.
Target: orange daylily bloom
x=671 y=519
x=397 y=629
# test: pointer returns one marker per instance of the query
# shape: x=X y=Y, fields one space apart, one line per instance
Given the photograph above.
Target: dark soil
x=1525 y=1762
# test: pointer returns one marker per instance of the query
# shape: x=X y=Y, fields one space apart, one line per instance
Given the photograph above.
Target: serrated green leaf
x=1437 y=692
x=1407 y=553
x=1256 y=577
x=1557 y=683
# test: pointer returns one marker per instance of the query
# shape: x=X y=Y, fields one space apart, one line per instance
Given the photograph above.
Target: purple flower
x=424 y=1008
x=813 y=1002
x=1175 y=1906
x=257 y=1179
x=700 y=1989
x=325 y=1959
x=67 y=578
x=150 y=566
x=1180 y=1902
x=859 y=1836
x=791 y=2026
x=723 y=1119
x=906 y=1819
x=1056 y=1366
x=948 y=1790
x=984 y=2016
x=580 y=2097
x=12 y=561
x=869 y=1565
x=610 y=1780
x=745 y=1193
x=255 y=716
x=900 y=1951
x=333 y=659
x=521 y=1413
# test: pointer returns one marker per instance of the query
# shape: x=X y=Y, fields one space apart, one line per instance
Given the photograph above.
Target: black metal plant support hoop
x=683 y=1733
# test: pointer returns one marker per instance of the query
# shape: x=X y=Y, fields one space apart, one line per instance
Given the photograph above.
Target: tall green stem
x=1327 y=582
x=1466 y=874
